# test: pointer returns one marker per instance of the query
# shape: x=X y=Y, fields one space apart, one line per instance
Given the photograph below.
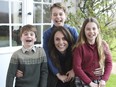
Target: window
x=16 y=13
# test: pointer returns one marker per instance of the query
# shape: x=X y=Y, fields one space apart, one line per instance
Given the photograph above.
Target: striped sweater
x=34 y=66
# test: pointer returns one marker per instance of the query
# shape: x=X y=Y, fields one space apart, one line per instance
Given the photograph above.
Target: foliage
x=103 y=10
x=111 y=82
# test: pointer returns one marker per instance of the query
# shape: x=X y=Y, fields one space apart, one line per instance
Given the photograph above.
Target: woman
x=60 y=50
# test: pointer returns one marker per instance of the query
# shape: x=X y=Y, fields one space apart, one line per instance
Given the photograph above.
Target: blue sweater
x=46 y=37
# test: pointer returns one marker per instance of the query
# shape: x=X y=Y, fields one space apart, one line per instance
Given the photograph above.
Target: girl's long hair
x=53 y=50
x=100 y=43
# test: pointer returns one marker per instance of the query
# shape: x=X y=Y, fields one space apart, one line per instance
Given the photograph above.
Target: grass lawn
x=112 y=81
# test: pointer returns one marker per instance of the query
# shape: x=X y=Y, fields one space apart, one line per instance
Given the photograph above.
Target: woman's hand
x=70 y=75
x=61 y=77
x=92 y=84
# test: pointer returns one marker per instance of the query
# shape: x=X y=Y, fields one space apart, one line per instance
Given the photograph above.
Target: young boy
x=30 y=60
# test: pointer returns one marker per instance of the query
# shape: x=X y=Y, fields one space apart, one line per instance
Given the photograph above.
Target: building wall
x=4 y=63
x=5 y=56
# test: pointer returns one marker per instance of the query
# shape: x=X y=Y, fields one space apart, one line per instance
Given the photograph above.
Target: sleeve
x=44 y=71
x=74 y=33
x=11 y=71
x=77 y=65
x=108 y=62
x=45 y=46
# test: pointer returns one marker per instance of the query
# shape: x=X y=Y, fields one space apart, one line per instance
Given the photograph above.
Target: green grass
x=112 y=81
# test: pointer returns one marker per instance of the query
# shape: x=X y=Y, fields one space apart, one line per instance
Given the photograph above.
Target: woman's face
x=91 y=32
x=60 y=43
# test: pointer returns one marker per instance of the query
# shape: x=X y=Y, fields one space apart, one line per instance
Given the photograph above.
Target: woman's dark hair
x=53 y=50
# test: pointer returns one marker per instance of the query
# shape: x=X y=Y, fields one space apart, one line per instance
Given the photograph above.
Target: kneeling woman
x=60 y=50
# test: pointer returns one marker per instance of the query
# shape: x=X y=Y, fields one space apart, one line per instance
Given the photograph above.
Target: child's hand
x=98 y=72
x=102 y=83
x=19 y=74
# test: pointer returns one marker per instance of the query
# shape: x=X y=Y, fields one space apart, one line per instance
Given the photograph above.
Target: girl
x=91 y=52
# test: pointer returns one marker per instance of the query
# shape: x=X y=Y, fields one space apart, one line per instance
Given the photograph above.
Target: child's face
x=58 y=16
x=91 y=32
x=60 y=42
x=28 y=38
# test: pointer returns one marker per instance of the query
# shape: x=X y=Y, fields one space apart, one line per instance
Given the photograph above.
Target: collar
x=30 y=49
x=92 y=46
x=65 y=25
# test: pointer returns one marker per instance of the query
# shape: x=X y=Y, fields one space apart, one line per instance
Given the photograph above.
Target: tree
x=103 y=10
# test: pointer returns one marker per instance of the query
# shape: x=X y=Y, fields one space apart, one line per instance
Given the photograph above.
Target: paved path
x=114 y=68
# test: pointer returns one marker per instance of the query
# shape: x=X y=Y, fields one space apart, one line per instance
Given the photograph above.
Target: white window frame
x=26 y=19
